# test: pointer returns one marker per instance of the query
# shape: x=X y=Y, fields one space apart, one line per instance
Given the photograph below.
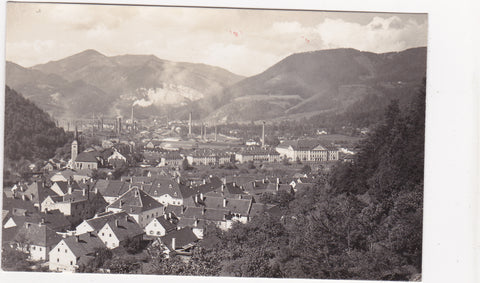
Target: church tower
x=74 y=150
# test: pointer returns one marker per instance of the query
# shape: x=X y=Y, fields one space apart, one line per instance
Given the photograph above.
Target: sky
x=243 y=41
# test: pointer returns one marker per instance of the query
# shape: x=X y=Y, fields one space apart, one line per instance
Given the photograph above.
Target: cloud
x=379 y=35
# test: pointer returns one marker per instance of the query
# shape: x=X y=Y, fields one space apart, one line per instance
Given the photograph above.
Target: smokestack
x=215 y=132
x=173 y=244
x=263 y=134
x=190 y=124
x=201 y=131
x=132 y=127
x=224 y=202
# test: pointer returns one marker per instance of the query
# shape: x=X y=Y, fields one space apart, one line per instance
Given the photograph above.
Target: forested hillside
x=30 y=133
x=364 y=221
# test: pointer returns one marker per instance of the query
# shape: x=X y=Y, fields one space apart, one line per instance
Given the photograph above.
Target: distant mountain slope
x=54 y=94
x=322 y=81
x=30 y=133
x=146 y=78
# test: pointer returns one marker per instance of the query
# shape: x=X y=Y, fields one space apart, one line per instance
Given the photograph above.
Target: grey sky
x=244 y=41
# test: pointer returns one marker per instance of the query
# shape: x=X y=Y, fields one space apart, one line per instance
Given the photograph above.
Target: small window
x=65 y=250
x=58 y=249
x=110 y=235
x=158 y=232
x=33 y=248
x=40 y=249
x=103 y=234
x=151 y=232
x=71 y=262
x=58 y=260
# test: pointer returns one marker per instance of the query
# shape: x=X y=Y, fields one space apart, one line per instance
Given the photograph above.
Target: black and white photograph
x=214 y=141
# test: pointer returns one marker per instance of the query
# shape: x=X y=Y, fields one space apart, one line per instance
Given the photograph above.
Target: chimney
x=196 y=198
x=203 y=211
x=23 y=197
x=169 y=215
x=165 y=216
x=201 y=196
x=69 y=189
x=223 y=187
x=263 y=134
x=195 y=223
x=190 y=124
x=173 y=244
x=84 y=192
x=204 y=181
x=224 y=202
x=96 y=190
x=126 y=217
x=254 y=184
x=120 y=204
x=263 y=181
x=278 y=180
x=116 y=222
x=77 y=238
x=277 y=186
x=234 y=184
x=42 y=221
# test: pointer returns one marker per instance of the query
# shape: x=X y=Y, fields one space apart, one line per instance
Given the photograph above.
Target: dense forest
x=30 y=133
x=363 y=220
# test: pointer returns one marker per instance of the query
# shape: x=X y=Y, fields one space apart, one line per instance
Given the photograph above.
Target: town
x=153 y=184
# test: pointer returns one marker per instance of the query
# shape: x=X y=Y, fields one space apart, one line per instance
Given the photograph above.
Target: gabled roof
x=90 y=156
x=63 y=185
x=84 y=244
x=272 y=187
x=18 y=205
x=98 y=222
x=114 y=188
x=8 y=234
x=35 y=234
x=209 y=214
x=259 y=208
x=183 y=238
x=124 y=227
x=255 y=150
x=169 y=226
x=135 y=201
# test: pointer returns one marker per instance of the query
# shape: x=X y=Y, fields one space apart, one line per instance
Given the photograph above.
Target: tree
x=306 y=169
x=186 y=165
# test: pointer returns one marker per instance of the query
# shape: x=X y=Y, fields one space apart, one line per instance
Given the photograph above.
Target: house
x=49 y=167
x=180 y=241
x=97 y=222
x=72 y=251
x=257 y=154
x=160 y=226
x=173 y=159
x=120 y=231
x=61 y=188
x=37 y=239
x=202 y=157
x=67 y=174
x=112 y=189
x=138 y=205
x=76 y=205
x=87 y=160
x=307 y=150
x=116 y=159
x=55 y=220
x=34 y=192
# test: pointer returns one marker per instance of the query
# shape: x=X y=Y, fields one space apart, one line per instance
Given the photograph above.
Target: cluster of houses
x=303 y=150
x=65 y=221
